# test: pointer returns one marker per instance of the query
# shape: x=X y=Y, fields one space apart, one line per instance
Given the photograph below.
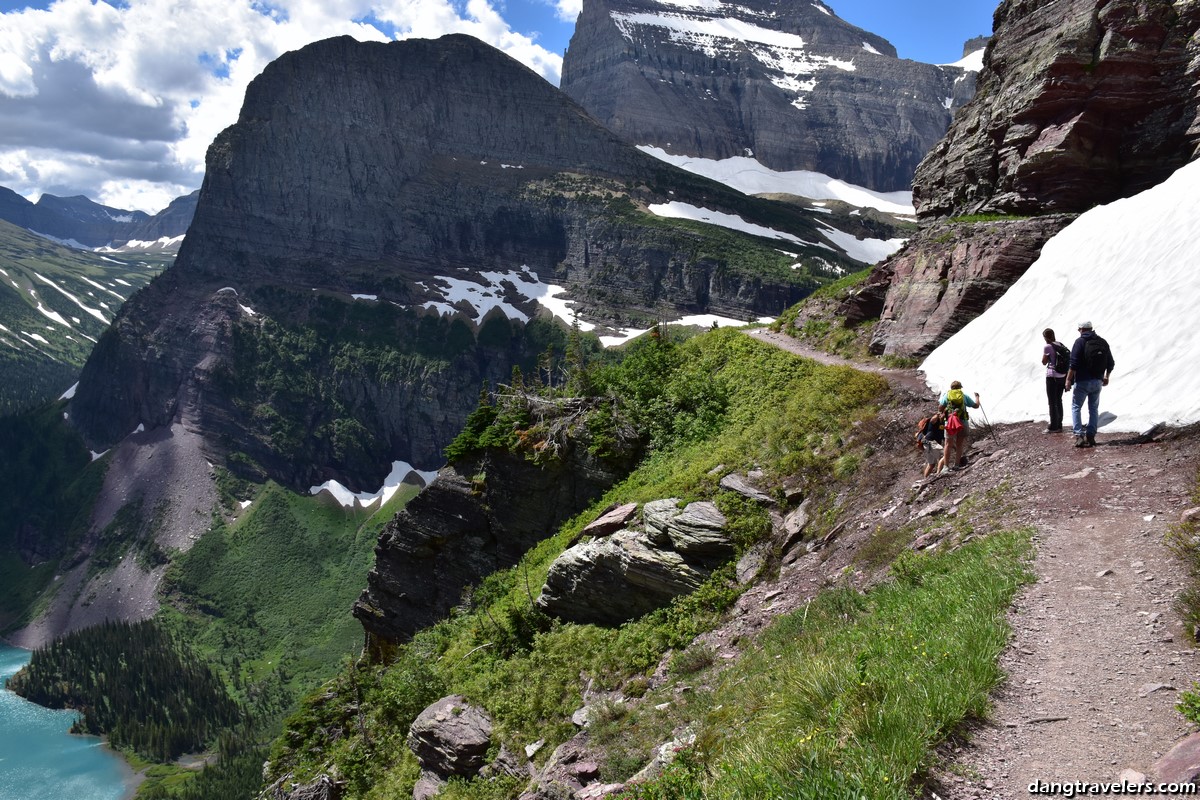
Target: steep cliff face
x=329 y=309
x=789 y=83
x=1079 y=103
x=944 y=278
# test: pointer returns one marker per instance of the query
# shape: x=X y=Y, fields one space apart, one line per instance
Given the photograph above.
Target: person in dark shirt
x=932 y=438
x=1056 y=375
x=1091 y=367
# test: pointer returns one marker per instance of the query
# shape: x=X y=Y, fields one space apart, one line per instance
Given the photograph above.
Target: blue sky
x=120 y=100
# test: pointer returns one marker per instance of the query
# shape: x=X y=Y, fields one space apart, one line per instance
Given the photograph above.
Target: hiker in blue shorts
x=1091 y=367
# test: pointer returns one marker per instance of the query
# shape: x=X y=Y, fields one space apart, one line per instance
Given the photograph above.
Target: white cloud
x=567 y=10
x=121 y=103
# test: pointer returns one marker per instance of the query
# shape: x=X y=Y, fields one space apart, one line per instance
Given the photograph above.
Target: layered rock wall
x=1081 y=102
x=370 y=170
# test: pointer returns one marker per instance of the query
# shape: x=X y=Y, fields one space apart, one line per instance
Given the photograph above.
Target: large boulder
x=615 y=579
x=451 y=738
x=620 y=577
x=697 y=532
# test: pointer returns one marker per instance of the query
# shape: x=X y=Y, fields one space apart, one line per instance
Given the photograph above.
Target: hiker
x=956 y=402
x=931 y=437
x=1057 y=358
x=1091 y=366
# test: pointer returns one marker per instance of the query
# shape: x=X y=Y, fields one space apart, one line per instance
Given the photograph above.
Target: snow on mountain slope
x=1129 y=268
x=750 y=177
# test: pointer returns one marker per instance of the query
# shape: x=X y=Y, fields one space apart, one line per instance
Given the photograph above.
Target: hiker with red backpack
x=1057 y=359
x=1091 y=366
x=958 y=424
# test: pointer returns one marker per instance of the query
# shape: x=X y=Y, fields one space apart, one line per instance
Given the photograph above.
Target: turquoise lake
x=39 y=760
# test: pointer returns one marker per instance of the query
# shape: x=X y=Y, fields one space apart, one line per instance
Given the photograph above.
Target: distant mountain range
x=789 y=84
x=80 y=222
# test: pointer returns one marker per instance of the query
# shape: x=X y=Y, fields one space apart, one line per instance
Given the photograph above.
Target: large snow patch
x=1129 y=268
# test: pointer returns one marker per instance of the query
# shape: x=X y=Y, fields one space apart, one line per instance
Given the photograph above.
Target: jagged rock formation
x=91 y=224
x=480 y=514
x=789 y=83
x=617 y=578
x=366 y=184
x=1078 y=104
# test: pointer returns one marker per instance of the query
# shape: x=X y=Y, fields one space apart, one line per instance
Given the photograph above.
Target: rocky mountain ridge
x=390 y=181
x=789 y=84
x=1078 y=104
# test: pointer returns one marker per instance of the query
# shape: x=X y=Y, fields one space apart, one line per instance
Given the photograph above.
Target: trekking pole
x=991 y=429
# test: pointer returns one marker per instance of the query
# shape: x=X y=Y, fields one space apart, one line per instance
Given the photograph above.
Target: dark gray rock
x=799 y=88
x=696 y=531
x=451 y=738
x=320 y=788
x=794 y=525
x=615 y=579
x=740 y=484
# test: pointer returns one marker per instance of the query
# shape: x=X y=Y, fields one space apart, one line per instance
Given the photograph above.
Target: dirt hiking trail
x=1099 y=654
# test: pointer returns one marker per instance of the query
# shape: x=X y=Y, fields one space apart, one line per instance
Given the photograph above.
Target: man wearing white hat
x=1091 y=366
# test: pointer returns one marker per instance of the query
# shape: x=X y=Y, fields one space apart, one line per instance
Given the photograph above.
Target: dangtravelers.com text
x=1086 y=788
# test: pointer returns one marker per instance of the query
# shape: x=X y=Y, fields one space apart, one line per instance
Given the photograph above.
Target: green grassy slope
x=815 y=711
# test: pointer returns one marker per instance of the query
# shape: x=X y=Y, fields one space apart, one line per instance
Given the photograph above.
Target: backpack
x=1095 y=356
x=958 y=404
x=953 y=425
x=1060 y=357
x=920 y=437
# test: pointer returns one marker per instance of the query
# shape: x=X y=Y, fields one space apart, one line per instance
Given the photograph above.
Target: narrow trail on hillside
x=1099 y=654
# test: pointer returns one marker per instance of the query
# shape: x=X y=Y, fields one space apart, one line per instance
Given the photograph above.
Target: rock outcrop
x=1078 y=104
x=370 y=205
x=451 y=738
x=790 y=84
x=944 y=279
x=481 y=514
x=616 y=578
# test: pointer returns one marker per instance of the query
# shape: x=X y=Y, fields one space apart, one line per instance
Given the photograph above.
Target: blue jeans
x=1088 y=390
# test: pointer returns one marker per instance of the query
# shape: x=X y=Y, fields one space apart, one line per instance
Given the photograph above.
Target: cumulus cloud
x=567 y=10
x=120 y=102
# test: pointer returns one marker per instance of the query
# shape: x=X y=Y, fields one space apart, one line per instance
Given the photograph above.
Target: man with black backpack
x=1057 y=359
x=1091 y=366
